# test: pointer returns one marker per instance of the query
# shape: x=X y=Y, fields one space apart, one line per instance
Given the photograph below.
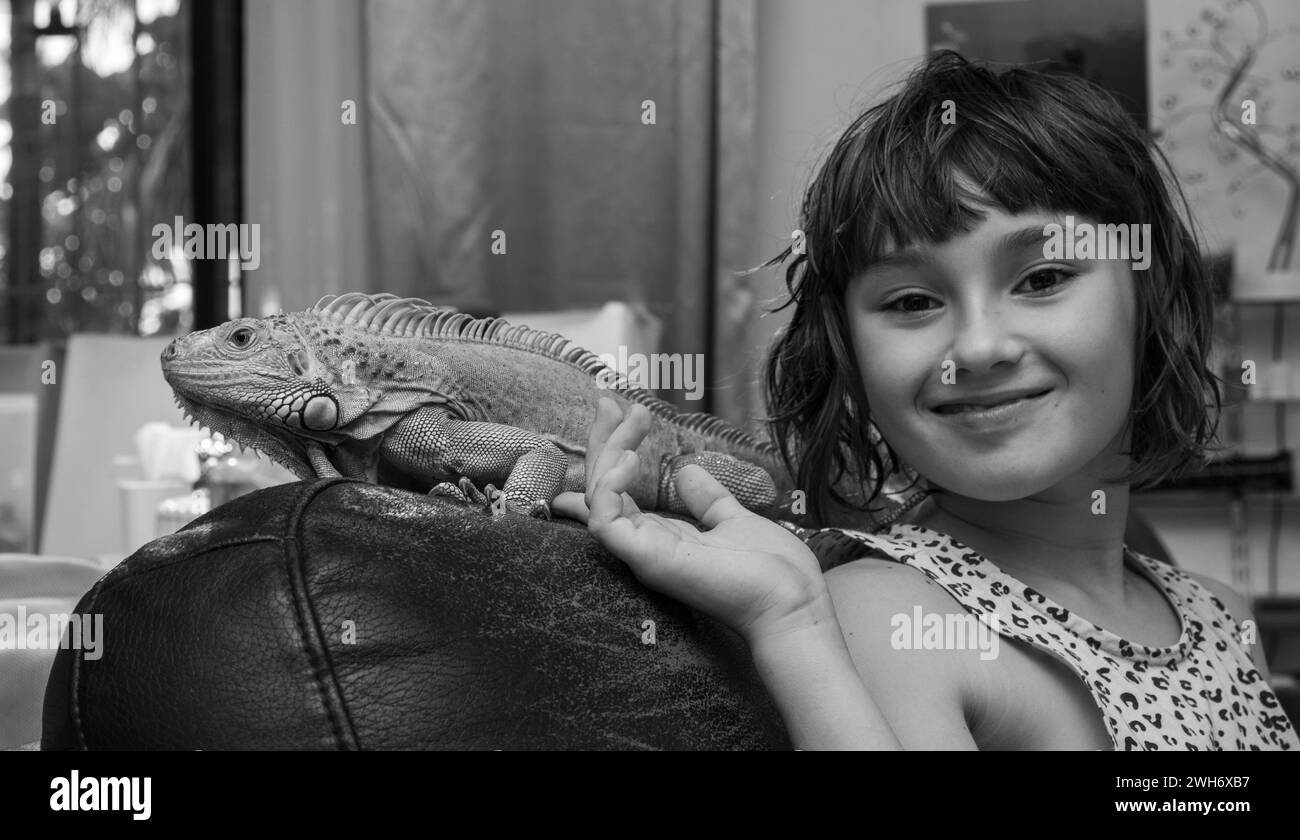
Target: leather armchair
x=335 y=614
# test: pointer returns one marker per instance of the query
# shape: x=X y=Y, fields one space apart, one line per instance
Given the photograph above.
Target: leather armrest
x=336 y=614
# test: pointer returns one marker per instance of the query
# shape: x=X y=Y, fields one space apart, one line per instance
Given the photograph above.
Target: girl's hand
x=744 y=570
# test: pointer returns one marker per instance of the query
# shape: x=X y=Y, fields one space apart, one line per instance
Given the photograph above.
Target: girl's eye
x=1040 y=283
x=909 y=303
x=1048 y=279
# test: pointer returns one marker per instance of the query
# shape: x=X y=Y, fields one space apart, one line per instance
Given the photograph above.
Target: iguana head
x=266 y=383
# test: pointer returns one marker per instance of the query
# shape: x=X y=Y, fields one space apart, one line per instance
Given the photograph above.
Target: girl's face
x=983 y=318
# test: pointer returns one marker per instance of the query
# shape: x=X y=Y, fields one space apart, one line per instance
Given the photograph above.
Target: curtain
x=526 y=127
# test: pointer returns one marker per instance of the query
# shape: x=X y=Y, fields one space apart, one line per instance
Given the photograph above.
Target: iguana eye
x=241 y=338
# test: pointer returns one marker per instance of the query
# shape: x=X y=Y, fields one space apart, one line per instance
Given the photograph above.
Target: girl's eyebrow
x=905 y=258
x=1016 y=241
x=1023 y=239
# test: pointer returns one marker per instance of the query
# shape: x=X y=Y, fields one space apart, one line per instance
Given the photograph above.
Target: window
x=95 y=149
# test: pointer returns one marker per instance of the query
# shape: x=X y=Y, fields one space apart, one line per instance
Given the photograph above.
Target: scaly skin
x=452 y=402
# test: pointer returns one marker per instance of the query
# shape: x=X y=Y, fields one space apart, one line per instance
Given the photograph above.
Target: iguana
x=359 y=382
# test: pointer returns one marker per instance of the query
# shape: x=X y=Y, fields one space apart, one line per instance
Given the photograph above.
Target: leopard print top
x=1203 y=693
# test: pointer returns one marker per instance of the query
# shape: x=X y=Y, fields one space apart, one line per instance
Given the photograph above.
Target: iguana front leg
x=320 y=462
x=350 y=465
x=752 y=486
x=431 y=445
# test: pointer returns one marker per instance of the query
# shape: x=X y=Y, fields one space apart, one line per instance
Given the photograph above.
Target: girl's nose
x=982 y=341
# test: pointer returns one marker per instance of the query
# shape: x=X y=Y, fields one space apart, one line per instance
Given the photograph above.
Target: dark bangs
x=958 y=137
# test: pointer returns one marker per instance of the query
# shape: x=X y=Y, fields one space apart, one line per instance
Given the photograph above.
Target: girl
x=1028 y=387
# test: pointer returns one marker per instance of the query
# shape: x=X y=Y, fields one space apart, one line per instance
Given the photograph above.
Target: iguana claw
x=502 y=505
x=462 y=491
x=478 y=497
x=447 y=490
x=491 y=498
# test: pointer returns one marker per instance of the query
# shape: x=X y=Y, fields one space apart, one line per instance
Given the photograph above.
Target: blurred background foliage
x=95 y=139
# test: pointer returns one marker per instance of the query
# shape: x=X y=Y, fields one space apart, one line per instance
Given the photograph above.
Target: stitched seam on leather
x=106 y=583
x=189 y=557
x=127 y=570
x=331 y=693
x=75 y=679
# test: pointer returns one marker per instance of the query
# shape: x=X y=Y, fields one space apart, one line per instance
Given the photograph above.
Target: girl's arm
x=925 y=694
x=749 y=573
x=811 y=678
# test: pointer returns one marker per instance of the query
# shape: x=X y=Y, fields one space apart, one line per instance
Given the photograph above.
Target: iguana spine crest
x=387 y=314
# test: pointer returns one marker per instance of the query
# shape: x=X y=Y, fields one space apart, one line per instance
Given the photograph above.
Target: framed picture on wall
x=1102 y=40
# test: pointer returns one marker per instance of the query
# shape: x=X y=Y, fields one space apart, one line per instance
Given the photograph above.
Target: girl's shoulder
x=925 y=691
x=888 y=567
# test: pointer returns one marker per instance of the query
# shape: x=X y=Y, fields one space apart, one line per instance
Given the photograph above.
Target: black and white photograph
x=673 y=375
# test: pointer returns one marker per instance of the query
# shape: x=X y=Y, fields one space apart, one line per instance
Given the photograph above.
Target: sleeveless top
x=1202 y=693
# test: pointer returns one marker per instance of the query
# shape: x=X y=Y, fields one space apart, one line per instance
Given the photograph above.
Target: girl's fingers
x=608 y=446
x=607 y=419
x=627 y=435
x=574 y=506
x=633 y=429
x=647 y=543
x=571 y=505
x=608 y=517
x=612 y=486
x=706 y=498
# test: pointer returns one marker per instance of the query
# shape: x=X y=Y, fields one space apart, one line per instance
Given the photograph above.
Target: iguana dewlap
x=453 y=402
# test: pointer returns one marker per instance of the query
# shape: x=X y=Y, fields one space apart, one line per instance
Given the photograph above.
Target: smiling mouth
x=969 y=408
